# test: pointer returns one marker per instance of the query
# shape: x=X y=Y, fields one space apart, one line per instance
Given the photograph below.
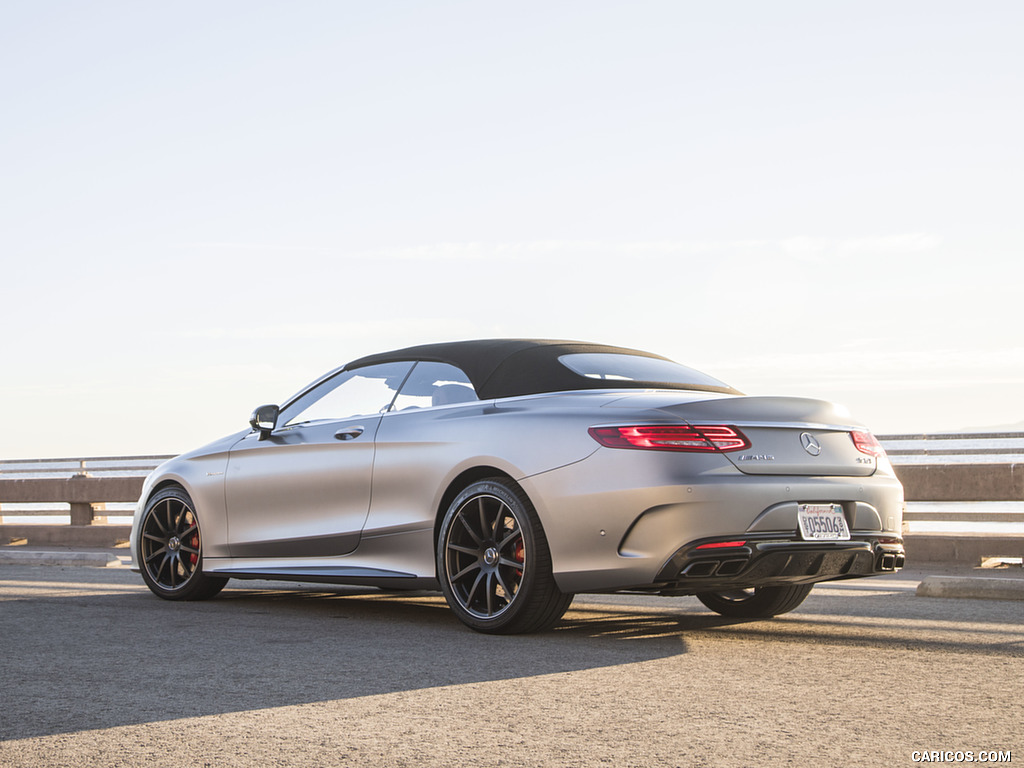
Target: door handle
x=348 y=433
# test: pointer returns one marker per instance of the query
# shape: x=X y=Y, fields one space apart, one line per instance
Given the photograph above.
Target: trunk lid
x=788 y=435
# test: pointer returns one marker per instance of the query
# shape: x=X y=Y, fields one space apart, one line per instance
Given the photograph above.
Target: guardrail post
x=81 y=511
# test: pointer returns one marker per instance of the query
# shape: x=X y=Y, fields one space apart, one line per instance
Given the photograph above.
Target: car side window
x=367 y=391
x=432 y=384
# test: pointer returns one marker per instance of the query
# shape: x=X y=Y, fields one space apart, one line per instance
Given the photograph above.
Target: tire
x=756 y=603
x=494 y=564
x=170 y=552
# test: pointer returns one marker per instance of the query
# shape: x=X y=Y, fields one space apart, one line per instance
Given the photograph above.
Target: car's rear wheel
x=494 y=564
x=170 y=549
x=757 y=602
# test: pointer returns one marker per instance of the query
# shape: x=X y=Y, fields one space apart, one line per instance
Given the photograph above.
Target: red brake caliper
x=517 y=555
x=194 y=558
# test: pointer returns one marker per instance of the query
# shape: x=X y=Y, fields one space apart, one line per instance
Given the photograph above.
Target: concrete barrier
x=100 y=559
x=962 y=482
x=963 y=548
x=102 y=536
x=974 y=588
x=86 y=495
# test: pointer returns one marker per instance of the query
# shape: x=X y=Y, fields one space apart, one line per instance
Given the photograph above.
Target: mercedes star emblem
x=810 y=443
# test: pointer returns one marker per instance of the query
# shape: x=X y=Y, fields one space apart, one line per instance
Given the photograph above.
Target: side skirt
x=354 y=575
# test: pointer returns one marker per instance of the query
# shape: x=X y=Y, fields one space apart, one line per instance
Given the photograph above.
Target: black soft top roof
x=512 y=367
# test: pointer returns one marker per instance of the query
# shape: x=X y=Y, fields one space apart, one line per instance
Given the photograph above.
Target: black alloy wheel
x=756 y=602
x=494 y=564
x=170 y=550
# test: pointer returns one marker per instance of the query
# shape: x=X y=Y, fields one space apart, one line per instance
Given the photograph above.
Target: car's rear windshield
x=617 y=367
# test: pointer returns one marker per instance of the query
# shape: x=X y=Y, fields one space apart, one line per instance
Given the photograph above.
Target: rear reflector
x=672 y=437
x=722 y=544
x=867 y=443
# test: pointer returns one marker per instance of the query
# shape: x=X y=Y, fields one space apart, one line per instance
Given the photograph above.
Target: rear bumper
x=614 y=520
x=775 y=561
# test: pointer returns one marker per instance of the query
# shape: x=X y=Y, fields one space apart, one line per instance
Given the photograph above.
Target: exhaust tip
x=704 y=568
x=701 y=568
x=731 y=567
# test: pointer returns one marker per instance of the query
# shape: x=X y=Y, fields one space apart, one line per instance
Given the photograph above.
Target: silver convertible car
x=514 y=473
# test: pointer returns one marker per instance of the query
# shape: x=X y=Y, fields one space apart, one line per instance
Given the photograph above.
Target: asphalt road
x=95 y=671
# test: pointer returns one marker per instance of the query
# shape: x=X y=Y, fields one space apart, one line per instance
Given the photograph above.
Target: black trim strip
x=307 y=546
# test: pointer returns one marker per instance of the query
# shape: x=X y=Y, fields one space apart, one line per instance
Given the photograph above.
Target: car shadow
x=93 y=659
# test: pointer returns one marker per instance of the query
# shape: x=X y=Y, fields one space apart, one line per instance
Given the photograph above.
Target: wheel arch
x=167 y=482
x=207 y=499
x=462 y=481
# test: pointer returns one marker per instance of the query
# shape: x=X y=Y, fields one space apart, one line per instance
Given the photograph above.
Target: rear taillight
x=867 y=443
x=666 y=437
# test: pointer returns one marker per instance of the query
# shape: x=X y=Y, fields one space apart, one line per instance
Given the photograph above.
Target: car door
x=303 y=490
x=433 y=425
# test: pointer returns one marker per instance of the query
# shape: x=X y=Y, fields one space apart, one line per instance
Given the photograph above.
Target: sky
x=206 y=205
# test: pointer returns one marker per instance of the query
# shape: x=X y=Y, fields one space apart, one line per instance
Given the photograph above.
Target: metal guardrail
x=955 y=447
x=960 y=515
x=90 y=465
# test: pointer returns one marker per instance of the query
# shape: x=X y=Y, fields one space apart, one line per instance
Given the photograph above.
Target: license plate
x=822 y=522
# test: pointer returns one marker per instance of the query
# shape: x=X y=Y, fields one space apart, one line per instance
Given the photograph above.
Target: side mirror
x=264 y=419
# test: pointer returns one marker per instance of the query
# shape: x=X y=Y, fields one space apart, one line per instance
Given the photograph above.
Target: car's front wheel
x=494 y=564
x=757 y=602
x=170 y=549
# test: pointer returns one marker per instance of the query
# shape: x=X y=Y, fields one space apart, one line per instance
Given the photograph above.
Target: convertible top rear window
x=613 y=367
